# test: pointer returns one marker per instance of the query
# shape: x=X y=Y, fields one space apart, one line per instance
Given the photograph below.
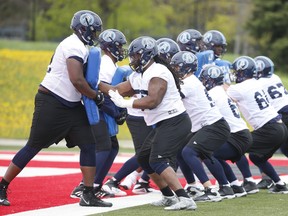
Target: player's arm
x=76 y=75
x=156 y=91
x=124 y=88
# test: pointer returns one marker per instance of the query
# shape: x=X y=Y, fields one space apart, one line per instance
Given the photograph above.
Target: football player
x=209 y=129
x=278 y=97
x=240 y=138
x=59 y=113
x=269 y=132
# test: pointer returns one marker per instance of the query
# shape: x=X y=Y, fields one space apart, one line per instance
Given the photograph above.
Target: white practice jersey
x=275 y=90
x=134 y=111
x=252 y=102
x=107 y=69
x=198 y=103
x=228 y=109
x=171 y=104
x=57 y=77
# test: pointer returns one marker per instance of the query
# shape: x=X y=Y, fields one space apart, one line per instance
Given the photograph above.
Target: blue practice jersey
x=226 y=67
x=204 y=58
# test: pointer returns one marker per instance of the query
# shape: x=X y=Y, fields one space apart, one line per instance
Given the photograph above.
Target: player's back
x=252 y=102
x=275 y=91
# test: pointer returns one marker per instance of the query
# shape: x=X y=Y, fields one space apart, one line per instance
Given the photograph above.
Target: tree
x=53 y=23
x=269 y=24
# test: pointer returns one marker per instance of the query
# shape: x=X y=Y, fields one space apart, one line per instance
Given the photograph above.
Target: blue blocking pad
x=92 y=77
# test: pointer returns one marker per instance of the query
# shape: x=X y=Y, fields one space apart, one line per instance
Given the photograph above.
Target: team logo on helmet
x=148 y=43
x=188 y=57
x=214 y=72
x=86 y=19
x=184 y=37
x=164 y=47
x=260 y=65
x=207 y=37
x=242 y=64
x=109 y=36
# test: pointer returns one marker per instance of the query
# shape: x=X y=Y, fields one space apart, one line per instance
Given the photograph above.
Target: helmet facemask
x=117 y=51
x=135 y=63
x=88 y=34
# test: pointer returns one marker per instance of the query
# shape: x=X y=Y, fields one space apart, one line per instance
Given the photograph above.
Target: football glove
x=119 y=100
x=122 y=117
x=99 y=99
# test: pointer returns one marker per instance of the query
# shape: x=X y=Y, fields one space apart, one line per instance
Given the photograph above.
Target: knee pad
x=144 y=163
x=159 y=167
x=87 y=155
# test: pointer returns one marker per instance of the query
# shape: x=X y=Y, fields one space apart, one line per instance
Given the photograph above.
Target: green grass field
x=259 y=204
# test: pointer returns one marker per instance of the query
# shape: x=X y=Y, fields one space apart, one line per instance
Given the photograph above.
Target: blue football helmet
x=244 y=68
x=167 y=48
x=113 y=40
x=183 y=63
x=211 y=76
x=86 y=24
x=216 y=41
x=141 y=51
x=265 y=66
x=190 y=40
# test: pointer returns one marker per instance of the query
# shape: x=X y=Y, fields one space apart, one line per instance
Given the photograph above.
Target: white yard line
x=75 y=209
x=121 y=158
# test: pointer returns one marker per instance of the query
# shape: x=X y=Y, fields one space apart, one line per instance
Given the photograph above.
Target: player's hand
x=122 y=117
x=99 y=99
x=119 y=100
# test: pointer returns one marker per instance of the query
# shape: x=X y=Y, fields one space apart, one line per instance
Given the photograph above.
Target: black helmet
x=265 y=66
x=244 y=68
x=167 y=48
x=141 y=51
x=113 y=40
x=86 y=24
x=184 y=62
x=211 y=75
x=214 y=38
x=190 y=40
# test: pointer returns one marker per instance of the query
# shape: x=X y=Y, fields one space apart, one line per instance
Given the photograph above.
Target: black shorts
x=267 y=139
x=210 y=138
x=139 y=131
x=52 y=121
x=241 y=140
x=104 y=142
x=165 y=140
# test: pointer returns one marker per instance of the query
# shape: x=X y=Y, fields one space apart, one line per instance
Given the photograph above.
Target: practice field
x=44 y=186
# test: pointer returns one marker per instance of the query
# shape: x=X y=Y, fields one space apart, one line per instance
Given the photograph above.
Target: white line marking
x=76 y=210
